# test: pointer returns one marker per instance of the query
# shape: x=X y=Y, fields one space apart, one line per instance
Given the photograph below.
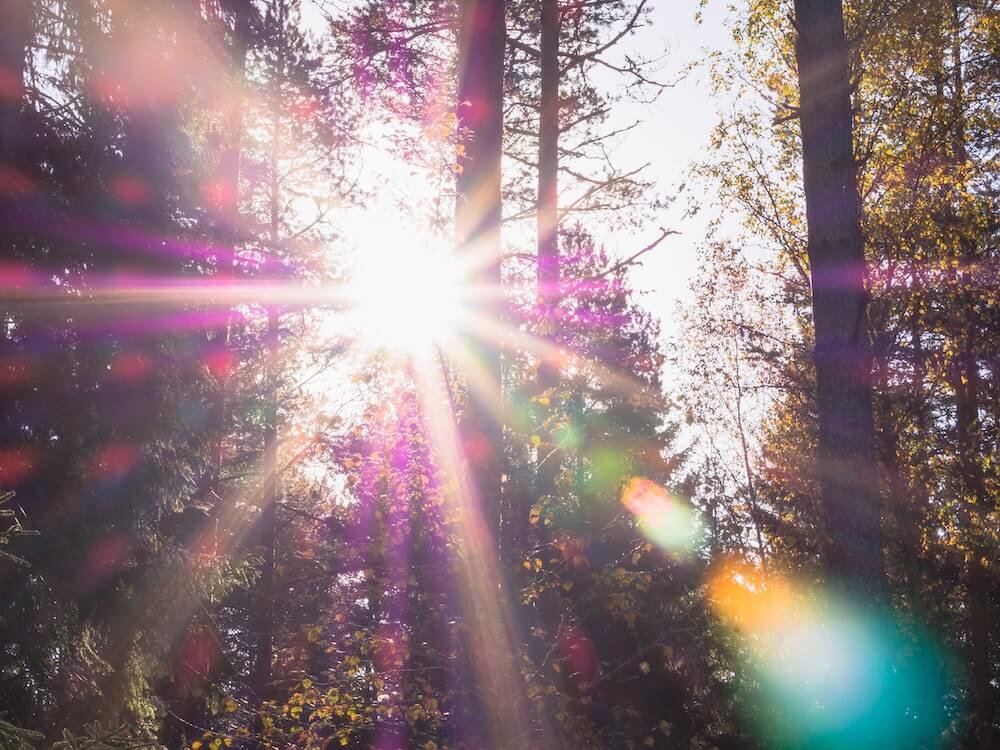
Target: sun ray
x=486 y=602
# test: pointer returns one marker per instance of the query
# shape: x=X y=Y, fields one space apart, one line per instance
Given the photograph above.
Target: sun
x=406 y=291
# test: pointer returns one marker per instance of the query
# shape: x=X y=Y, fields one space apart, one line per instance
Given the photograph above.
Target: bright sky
x=675 y=131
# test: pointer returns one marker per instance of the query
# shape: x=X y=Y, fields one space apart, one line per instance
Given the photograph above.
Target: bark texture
x=15 y=34
x=846 y=451
x=270 y=489
x=548 y=222
x=264 y=624
x=482 y=35
x=229 y=220
x=490 y=636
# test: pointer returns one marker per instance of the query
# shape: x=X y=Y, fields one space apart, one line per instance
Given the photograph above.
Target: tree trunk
x=493 y=656
x=548 y=225
x=228 y=234
x=981 y=615
x=15 y=34
x=229 y=162
x=481 y=40
x=269 y=491
x=846 y=451
x=548 y=166
x=976 y=500
x=264 y=624
x=907 y=502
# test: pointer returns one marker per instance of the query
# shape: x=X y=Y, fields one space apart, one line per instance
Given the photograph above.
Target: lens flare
x=664 y=519
x=828 y=673
x=114 y=460
x=16 y=465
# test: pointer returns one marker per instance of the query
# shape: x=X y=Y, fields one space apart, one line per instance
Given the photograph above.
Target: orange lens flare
x=663 y=518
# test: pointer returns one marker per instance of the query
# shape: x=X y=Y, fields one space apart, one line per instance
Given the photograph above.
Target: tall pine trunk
x=548 y=222
x=229 y=162
x=229 y=228
x=264 y=620
x=15 y=34
x=846 y=450
x=492 y=651
x=482 y=36
x=548 y=153
x=269 y=491
x=548 y=457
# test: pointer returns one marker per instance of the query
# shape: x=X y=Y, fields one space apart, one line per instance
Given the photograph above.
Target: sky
x=674 y=132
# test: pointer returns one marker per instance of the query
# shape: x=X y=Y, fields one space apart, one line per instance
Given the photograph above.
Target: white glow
x=405 y=291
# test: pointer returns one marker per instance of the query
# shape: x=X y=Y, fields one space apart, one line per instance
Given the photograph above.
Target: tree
x=902 y=59
x=846 y=446
x=17 y=31
x=481 y=44
x=547 y=219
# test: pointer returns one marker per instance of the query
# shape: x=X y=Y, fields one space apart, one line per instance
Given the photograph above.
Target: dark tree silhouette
x=846 y=450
